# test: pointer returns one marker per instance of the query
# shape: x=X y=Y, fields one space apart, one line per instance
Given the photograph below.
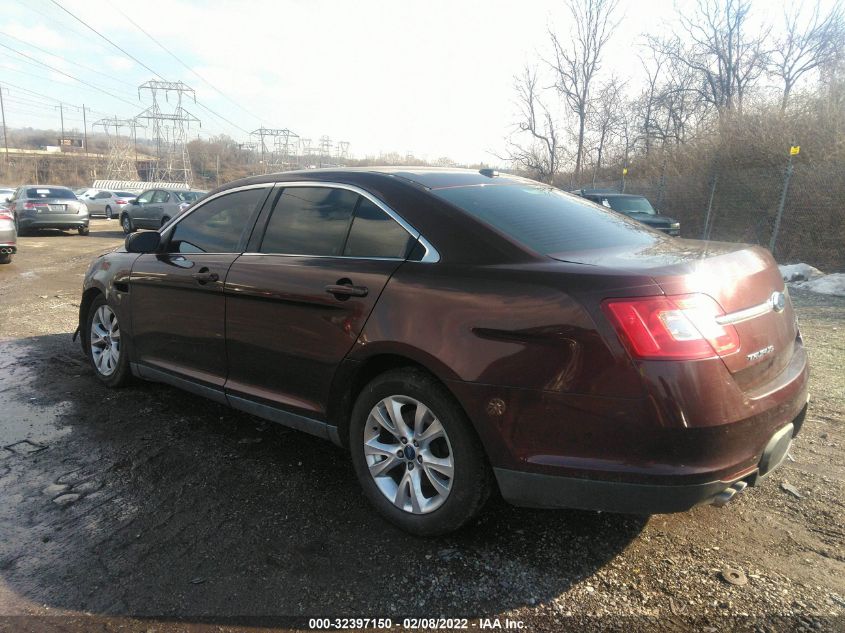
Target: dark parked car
x=637 y=207
x=457 y=331
x=48 y=207
x=154 y=207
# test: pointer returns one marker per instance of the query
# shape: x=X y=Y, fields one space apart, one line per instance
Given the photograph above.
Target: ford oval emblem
x=778 y=301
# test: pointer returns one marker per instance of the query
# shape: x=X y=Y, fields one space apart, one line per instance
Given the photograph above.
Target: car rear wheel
x=5 y=259
x=126 y=223
x=416 y=455
x=83 y=230
x=109 y=214
x=104 y=346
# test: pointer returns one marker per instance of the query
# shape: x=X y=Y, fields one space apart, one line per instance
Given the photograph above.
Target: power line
x=191 y=70
x=88 y=26
x=61 y=72
x=24 y=42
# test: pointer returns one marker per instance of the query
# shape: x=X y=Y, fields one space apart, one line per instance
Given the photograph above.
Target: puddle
x=26 y=425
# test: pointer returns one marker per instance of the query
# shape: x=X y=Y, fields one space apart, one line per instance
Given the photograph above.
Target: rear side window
x=309 y=221
x=376 y=234
x=218 y=225
x=50 y=192
x=547 y=220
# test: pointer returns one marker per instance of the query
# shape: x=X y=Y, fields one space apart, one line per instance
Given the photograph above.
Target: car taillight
x=29 y=205
x=120 y=201
x=680 y=327
x=6 y=216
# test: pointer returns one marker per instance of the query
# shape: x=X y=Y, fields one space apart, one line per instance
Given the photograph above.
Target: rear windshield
x=548 y=220
x=123 y=194
x=50 y=192
x=630 y=205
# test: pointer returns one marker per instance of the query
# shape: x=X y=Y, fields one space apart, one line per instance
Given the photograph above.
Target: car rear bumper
x=537 y=490
x=53 y=221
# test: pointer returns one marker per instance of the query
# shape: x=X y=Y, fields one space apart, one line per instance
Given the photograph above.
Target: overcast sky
x=430 y=77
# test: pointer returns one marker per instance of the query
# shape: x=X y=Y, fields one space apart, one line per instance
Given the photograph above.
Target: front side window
x=376 y=234
x=218 y=225
x=161 y=196
x=630 y=205
x=309 y=221
x=146 y=197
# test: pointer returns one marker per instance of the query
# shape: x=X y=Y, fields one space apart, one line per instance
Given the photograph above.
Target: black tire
x=109 y=214
x=472 y=479
x=83 y=230
x=121 y=374
x=165 y=220
x=5 y=259
x=126 y=224
x=18 y=228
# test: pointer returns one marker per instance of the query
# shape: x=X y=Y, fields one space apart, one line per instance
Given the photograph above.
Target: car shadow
x=147 y=501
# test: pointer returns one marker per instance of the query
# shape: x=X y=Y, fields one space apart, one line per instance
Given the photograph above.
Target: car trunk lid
x=744 y=280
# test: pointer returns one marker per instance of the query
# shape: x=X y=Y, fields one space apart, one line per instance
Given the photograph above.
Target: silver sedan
x=107 y=203
x=8 y=237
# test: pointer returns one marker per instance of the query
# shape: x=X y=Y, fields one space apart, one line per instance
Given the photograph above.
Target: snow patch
x=799 y=272
x=833 y=284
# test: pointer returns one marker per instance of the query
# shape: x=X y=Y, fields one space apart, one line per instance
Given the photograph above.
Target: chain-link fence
x=740 y=203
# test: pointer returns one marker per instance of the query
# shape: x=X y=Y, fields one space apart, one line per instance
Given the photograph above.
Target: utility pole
x=793 y=151
x=3 y=113
x=62 y=115
x=218 y=170
x=85 y=129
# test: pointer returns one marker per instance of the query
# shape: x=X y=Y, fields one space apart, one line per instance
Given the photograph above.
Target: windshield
x=546 y=219
x=189 y=196
x=50 y=192
x=633 y=204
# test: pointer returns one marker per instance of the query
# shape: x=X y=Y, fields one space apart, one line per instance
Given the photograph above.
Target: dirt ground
x=150 y=509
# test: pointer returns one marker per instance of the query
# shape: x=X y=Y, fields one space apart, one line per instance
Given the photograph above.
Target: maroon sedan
x=458 y=331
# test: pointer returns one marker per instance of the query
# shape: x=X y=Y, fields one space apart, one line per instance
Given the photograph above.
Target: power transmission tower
x=325 y=148
x=170 y=130
x=342 y=150
x=278 y=154
x=120 y=162
x=306 y=151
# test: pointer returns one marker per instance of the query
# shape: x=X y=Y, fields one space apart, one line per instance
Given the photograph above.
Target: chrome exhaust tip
x=724 y=497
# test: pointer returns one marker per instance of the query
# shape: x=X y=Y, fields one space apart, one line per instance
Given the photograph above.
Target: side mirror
x=145 y=242
x=135 y=201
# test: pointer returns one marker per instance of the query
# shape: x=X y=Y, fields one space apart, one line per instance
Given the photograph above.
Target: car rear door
x=176 y=296
x=297 y=301
x=138 y=211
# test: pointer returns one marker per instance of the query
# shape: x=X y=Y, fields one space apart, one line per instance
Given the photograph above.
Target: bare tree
x=806 y=45
x=577 y=60
x=540 y=154
x=715 y=46
x=605 y=120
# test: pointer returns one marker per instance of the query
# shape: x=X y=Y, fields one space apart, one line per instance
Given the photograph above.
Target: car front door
x=154 y=211
x=138 y=211
x=176 y=296
x=296 y=303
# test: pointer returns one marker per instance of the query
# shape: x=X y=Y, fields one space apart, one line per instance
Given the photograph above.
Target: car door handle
x=344 y=289
x=203 y=276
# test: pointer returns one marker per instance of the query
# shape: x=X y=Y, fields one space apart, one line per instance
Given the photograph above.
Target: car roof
x=425 y=177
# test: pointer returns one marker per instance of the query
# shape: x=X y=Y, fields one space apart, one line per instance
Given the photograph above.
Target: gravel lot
x=151 y=509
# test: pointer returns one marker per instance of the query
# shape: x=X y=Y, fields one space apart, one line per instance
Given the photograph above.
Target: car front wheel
x=416 y=455
x=126 y=223
x=104 y=346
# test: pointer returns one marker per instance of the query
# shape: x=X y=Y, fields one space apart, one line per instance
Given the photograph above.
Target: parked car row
x=109 y=204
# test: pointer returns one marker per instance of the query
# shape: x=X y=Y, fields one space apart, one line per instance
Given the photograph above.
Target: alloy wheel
x=408 y=454
x=105 y=340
